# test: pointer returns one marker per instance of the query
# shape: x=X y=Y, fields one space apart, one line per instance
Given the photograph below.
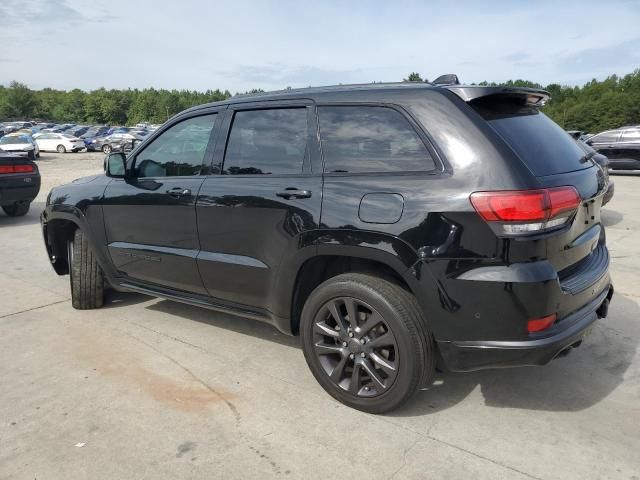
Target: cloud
x=608 y=58
x=40 y=11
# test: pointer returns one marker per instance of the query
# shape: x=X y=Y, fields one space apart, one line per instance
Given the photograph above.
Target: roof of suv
x=466 y=92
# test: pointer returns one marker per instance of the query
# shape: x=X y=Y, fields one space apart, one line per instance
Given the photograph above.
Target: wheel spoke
x=352 y=311
x=336 y=374
x=326 y=349
x=381 y=341
x=337 y=316
x=325 y=329
x=354 y=386
x=373 y=319
x=386 y=365
x=372 y=373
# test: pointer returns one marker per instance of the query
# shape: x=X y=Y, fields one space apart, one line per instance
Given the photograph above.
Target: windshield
x=538 y=141
x=13 y=140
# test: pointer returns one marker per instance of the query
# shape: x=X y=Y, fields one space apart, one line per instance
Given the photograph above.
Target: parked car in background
x=59 y=142
x=21 y=144
x=19 y=183
x=389 y=225
x=620 y=146
x=115 y=142
x=78 y=130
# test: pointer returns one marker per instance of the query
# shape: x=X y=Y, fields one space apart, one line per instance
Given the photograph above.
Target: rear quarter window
x=368 y=139
x=538 y=141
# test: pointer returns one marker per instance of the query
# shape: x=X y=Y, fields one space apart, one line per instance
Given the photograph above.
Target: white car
x=20 y=144
x=59 y=142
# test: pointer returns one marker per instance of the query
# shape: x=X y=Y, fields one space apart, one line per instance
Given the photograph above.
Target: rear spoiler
x=531 y=96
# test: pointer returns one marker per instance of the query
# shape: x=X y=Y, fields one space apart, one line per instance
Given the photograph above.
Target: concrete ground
x=147 y=388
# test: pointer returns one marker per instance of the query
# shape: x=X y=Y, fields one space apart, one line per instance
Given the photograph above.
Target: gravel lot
x=147 y=388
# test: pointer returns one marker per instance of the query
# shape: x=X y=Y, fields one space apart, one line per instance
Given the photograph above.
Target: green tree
x=413 y=77
x=18 y=102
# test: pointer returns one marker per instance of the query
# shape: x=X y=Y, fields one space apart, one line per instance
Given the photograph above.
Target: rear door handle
x=293 y=192
x=179 y=192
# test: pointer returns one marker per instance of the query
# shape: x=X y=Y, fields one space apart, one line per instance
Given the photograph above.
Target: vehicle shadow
x=115 y=299
x=585 y=377
x=32 y=216
x=610 y=217
x=244 y=326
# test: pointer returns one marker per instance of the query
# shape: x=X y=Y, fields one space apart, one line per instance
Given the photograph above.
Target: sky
x=239 y=45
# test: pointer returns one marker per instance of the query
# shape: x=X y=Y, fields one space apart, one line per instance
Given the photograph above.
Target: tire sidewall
x=407 y=346
x=61 y=149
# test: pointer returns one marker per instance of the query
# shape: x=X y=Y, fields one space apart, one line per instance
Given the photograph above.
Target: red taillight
x=16 y=169
x=540 y=324
x=533 y=210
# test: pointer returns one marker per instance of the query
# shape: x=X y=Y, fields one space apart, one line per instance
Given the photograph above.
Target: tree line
x=592 y=107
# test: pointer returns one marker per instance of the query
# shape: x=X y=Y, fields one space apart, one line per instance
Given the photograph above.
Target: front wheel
x=366 y=342
x=61 y=149
x=87 y=283
x=106 y=149
x=16 y=210
x=31 y=155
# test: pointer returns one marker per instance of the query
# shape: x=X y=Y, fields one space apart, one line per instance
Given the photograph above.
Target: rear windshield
x=539 y=142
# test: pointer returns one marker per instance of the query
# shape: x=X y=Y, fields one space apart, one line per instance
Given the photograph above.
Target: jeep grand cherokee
x=388 y=225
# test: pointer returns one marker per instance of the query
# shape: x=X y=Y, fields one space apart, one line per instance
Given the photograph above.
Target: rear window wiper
x=588 y=156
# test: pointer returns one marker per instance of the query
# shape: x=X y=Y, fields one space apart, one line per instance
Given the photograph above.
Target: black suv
x=390 y=225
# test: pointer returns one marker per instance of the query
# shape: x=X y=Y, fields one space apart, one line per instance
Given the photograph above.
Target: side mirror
x=115 y=165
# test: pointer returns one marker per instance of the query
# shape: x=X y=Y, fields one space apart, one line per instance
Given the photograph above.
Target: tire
x=87 y=283
x=17 y=209
x=61 y=149
x=31 y=155
x=409 y=360
x=106 y=149
x=38 y=155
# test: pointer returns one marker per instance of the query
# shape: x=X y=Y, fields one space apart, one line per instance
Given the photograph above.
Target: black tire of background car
x=106 y=148
x=61 y=149
x=87 y=282
x=17 y=209
x=31 y=155
x=402 y=313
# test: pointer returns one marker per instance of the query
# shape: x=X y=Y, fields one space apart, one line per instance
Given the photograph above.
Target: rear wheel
x=31 y=155
x=61 y=149
x=87 y=283
x=106 y=148
x=366 y=342
x=17 y=209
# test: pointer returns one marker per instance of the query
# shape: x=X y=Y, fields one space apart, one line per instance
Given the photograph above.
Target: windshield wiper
x=588 y=156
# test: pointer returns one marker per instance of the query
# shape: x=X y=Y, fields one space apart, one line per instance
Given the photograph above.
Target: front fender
x=59 y=221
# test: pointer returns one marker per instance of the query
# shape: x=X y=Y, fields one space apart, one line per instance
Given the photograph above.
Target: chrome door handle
x=290 y=193
x=179 y=192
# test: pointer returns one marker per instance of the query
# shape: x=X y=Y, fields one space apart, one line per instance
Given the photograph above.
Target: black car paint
x=18 y=187
x=234 y=245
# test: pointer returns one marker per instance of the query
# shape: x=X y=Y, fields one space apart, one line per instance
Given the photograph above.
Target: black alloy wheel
x=356 y=347
x=366 y=341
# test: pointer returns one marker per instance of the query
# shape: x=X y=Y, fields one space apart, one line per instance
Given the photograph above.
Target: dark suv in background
x=387 y=224
x=621 y=147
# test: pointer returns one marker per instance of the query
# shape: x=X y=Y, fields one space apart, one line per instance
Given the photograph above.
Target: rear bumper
x=19 y=188
x=470 y=355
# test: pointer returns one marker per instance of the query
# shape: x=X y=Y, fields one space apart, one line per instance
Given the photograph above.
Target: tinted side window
x=606 y=137
x=370 y=139
x=263 y=142
x=178 y=151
